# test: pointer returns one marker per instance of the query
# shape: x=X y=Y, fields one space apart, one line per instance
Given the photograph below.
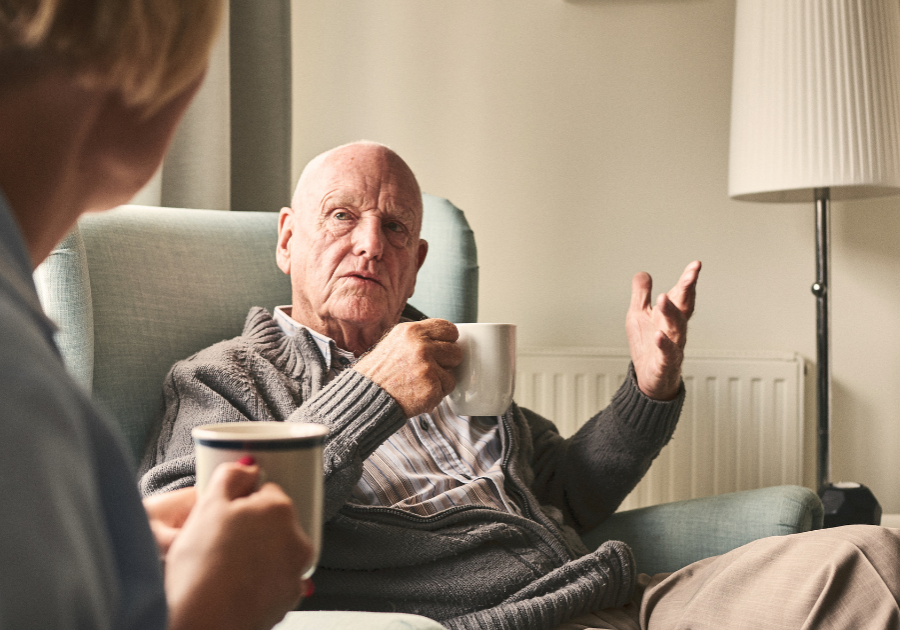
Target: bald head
x=350 y=242
x=371 y=158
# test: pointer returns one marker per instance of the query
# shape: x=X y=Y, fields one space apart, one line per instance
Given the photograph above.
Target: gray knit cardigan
x=469 y=567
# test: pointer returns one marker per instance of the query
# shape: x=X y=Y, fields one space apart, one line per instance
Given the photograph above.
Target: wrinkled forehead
x=360 y=176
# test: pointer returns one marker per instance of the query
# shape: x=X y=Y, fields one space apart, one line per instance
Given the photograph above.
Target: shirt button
x=423 y=423
x=344 y=361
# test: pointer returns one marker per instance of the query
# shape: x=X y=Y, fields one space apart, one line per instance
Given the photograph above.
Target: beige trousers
x=841 y=578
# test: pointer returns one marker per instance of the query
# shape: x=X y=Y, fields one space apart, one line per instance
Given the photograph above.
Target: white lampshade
x=815 y=99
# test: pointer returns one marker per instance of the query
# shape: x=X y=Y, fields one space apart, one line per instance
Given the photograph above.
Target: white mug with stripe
x=288 y=453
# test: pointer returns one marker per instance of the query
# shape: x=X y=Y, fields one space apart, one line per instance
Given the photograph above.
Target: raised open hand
x=657 y=334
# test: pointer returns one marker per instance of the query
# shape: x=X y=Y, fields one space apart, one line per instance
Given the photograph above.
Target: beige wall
x=589 y=140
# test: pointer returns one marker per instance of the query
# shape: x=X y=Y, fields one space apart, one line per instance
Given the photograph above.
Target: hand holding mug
x=287 y=453
x=413 y=364
x=238 y=560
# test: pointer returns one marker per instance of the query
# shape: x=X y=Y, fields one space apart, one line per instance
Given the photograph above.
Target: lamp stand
x=823 y=340
x=846 y=502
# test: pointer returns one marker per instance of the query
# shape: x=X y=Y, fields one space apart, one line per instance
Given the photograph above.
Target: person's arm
x=403 y=375
x=588 y=475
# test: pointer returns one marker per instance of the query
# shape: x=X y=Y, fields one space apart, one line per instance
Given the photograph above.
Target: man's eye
x=393 y=226
x=342 y=216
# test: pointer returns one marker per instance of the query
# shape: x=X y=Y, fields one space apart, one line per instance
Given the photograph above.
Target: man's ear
x=285 y=233
x=423 y=251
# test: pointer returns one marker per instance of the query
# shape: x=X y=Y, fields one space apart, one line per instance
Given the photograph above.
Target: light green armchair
x=136 y=289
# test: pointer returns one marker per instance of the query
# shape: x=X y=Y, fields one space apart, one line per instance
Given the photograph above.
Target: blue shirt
x=76 y=549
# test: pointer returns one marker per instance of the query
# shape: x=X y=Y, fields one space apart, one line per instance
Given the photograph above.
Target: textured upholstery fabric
x=447 y=285
x=63 y=280
x=667 y=537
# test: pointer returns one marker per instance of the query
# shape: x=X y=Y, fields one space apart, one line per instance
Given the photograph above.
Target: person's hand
x=412 y=363
x=657 y=334
x=167 y=513
x=239 y=558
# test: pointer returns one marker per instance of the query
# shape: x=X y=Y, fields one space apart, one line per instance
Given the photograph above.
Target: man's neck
x=348 y=336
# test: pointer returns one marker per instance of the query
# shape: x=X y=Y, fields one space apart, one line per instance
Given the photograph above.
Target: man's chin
x=365 y=313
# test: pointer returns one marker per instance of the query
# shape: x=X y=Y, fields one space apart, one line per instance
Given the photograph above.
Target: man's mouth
x=363 y=276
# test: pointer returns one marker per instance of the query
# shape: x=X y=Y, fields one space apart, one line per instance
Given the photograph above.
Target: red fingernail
x=247 y=460
x=310 y=588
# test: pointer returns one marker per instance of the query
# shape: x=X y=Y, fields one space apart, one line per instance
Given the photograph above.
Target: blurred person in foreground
x=91 y=92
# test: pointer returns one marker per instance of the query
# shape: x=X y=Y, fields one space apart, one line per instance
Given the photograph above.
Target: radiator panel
x=741 y=426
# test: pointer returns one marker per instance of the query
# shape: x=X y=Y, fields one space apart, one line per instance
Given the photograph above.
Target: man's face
x=354 y=247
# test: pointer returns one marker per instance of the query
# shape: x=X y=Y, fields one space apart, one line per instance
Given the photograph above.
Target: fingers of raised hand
x=669 y=319
x=641 y=285
x=669 y=352
x=684 y=293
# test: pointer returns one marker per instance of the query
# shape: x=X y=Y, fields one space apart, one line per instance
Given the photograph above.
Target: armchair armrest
x=668 y=537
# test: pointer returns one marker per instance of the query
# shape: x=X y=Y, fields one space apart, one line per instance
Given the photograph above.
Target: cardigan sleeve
x=588 y=475
x=229 y=382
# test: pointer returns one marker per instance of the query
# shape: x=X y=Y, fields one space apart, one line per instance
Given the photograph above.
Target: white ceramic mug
x=486 y=378
x=288 y=453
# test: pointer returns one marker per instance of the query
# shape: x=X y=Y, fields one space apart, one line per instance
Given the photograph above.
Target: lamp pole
x=823 y=340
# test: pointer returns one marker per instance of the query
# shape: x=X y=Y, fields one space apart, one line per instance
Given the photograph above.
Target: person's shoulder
x=40 y=398
x=25 y=341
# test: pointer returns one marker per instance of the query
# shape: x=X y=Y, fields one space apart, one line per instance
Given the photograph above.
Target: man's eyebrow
x=404 y=211
x=342 y=198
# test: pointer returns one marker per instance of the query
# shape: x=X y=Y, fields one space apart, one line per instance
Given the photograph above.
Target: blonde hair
x=148 y=50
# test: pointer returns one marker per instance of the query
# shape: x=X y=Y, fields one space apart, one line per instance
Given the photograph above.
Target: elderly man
x=406 y=517
x=471 y=521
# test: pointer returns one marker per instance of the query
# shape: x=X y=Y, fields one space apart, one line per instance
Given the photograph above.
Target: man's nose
x=368 y=238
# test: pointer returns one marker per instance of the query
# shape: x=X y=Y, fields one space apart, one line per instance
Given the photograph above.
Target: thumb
x=641 y=285
x=233 y=480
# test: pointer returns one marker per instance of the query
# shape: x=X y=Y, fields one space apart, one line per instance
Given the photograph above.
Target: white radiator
x=741 y=426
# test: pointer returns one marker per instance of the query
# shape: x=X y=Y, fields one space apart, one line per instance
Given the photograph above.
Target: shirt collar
x=327 y=347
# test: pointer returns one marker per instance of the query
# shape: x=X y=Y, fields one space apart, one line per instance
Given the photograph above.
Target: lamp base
x=849 y=503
